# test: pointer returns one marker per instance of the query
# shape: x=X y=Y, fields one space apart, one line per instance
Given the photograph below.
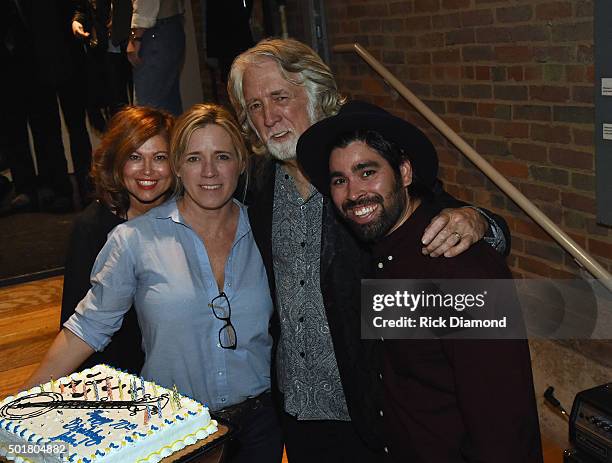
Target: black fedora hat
x=315 y=145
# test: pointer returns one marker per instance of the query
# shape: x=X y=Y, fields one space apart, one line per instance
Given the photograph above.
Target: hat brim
x=315 y=145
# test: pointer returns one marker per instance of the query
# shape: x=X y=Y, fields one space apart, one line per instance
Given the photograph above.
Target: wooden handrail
x=567 y=243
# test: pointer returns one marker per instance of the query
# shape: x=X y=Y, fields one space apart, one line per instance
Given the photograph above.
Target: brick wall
x=515 y=79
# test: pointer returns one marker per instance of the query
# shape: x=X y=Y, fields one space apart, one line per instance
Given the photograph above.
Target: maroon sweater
x=451 y=401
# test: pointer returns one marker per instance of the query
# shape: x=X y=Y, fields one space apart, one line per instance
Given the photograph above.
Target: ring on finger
x=458 y=235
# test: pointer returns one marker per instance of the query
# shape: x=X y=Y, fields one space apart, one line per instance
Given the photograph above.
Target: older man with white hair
x=279 y=88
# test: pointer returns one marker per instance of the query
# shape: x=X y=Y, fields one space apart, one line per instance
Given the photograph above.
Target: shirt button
x=301 y=319
x=390 y=257
x=301 y=282
x=380 y=376
x=303 y=244
x=220 y=373
x=380 y=265
x=286 y=177
x=302 y=354
x=223 y=400
x=218 y=345
x=386 y=449
x=381 y=412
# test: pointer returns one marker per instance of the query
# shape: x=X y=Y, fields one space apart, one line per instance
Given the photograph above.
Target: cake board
x=209 y=450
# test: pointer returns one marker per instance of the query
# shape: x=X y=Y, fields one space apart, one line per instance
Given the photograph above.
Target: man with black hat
x=440 y=395
x=279 y=88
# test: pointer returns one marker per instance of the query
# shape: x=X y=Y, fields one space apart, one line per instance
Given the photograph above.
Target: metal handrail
x=567 y=243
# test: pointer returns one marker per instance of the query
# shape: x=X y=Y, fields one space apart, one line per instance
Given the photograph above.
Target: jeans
x=156 y=80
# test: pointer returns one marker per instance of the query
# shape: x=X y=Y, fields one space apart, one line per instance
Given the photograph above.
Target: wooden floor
x=29 y=320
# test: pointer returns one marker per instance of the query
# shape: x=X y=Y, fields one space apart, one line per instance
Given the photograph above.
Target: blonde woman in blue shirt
x=196 y=278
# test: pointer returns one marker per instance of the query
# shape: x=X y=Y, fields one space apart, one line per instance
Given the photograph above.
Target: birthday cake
x=100 y=415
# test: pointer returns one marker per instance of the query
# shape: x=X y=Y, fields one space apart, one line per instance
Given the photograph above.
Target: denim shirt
x=160 y=264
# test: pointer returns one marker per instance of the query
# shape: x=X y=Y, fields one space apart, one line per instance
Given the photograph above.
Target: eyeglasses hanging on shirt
x=222 y=310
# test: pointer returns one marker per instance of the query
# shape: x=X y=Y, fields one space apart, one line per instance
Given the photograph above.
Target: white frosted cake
x=103 y=415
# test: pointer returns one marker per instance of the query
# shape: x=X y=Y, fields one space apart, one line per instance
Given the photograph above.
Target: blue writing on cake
x=97 y=419
x=90 y=432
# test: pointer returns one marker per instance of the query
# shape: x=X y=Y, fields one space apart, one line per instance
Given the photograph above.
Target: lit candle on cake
x=172 y=402
x=109 y=389
x=176 y=397
x=62 y=387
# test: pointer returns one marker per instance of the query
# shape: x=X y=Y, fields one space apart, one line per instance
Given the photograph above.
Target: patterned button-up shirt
x=307 y=368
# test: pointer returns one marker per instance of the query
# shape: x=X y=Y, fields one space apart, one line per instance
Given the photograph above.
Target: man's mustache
x=374 y=198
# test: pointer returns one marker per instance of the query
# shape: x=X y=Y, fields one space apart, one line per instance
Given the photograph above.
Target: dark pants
x=258 y=437
x=119 y=76
x=71 y=100
x=46 y=129
x=42 y=112
x=14 y=141
x=311 y=441
x=28 y=99
x=156 y=80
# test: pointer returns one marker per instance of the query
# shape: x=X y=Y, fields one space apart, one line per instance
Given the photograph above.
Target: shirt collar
x=169 y=210
x=288 y=182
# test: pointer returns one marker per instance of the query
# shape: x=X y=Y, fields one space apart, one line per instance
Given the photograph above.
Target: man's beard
x=283 y=151
x=287 y=150
x=387 y=218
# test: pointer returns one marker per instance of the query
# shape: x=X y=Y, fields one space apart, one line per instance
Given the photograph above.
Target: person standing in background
x=42 y=61
x=222 y=48
x=104 y=27
x=156 y=49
